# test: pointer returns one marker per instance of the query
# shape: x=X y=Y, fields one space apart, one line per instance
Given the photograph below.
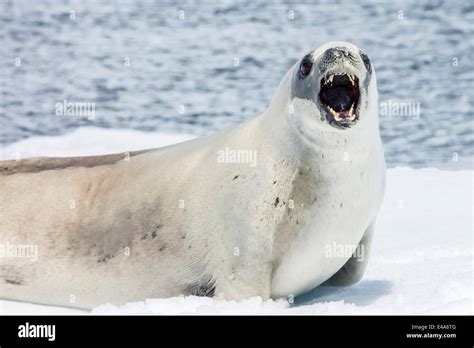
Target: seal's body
x=251 y=211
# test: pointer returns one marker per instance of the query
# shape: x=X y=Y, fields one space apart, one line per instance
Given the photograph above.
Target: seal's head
x=332 y=82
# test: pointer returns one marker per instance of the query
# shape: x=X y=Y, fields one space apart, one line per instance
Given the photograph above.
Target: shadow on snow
x=361 y=294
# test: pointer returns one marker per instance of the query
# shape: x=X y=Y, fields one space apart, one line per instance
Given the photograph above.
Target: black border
x=224 y=330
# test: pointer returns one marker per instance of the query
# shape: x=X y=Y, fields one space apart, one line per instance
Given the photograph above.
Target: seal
x=251 y=211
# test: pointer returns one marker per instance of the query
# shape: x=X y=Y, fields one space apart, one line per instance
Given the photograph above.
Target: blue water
x=422 y=51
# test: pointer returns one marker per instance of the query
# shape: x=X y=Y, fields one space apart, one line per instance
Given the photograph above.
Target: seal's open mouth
x=340 y=94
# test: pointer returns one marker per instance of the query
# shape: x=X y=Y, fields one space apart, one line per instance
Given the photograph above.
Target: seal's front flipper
x=354 y=268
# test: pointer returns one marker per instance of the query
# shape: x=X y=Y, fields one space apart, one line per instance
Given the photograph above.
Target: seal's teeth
x=328 y=79
x=351 y=110
x=333 y=112
x=352 y=79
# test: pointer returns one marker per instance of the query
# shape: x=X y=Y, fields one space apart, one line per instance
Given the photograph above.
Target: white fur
x=347 y=154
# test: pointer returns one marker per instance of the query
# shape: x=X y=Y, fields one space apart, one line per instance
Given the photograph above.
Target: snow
x=422 y=254
x=88 y=141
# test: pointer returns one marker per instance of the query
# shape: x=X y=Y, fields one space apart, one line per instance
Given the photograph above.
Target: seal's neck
x=292 y=125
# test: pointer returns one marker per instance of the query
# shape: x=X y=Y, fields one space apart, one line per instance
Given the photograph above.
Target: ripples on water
x=190 y=62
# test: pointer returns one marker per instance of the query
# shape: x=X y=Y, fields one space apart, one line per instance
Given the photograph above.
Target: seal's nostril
x=335 y=53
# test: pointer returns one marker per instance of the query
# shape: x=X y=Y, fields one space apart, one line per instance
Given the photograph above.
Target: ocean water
x=165 y=66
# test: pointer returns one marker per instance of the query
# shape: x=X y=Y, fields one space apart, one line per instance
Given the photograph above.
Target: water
x=181 y=76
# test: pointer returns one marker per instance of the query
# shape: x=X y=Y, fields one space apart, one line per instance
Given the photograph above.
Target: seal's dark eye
x=366 y=61
x=305 y=67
